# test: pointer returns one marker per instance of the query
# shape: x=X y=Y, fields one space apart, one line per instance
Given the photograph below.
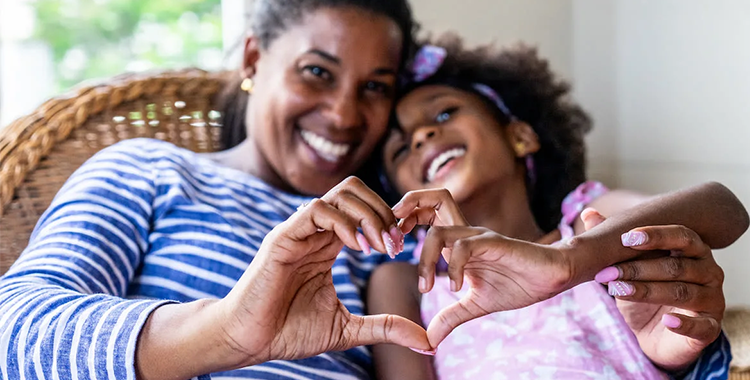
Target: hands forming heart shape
x=285 y=305
x=502 y=273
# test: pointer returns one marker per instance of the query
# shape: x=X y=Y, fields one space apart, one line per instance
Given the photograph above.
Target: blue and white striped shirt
x=144 y=222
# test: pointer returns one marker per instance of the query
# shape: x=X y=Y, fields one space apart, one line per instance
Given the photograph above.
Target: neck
x=246 y=157
x=504 y=210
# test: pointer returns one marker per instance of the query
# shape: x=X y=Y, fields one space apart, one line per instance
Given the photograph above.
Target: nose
x=422 y=135
x=343 y=109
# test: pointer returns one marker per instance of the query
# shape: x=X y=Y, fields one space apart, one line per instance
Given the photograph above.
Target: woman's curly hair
x=536 y=96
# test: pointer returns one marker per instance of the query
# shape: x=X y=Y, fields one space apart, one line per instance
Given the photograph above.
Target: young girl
x=496 y=130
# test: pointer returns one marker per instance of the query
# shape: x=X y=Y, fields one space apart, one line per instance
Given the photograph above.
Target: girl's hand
x=673 y=304
x=502 y=273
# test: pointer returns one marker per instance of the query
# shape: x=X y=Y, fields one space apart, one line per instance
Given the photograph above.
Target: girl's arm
x=393 y=290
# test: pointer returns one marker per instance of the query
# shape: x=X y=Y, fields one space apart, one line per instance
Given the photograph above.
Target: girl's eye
x=444 y=116
x=317 y=72
x=401 y=150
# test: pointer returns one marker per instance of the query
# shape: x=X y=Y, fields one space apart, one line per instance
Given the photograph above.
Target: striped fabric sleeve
x=713 y=364
x=62 y=311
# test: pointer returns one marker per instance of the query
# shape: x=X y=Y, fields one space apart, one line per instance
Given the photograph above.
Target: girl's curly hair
x=536 y=96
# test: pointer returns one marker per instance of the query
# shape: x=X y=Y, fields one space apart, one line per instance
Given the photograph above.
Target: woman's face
x=449 y=139
x=322 y=96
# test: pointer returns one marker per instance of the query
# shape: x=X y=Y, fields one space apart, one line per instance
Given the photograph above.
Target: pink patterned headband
x=427 y=62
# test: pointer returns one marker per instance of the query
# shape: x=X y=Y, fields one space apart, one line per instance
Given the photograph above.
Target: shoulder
x=595 y=195
x=617 y=200
x=157 y=160
x=147 y=150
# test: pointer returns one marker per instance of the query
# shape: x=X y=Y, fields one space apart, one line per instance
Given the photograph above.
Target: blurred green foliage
x=101 y=38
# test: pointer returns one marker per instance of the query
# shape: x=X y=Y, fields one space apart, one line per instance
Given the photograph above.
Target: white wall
x=505 y=22
x=683 y=102
x=667 y=83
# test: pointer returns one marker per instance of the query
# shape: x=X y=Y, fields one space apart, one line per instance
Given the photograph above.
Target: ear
x=250 y=57
x=523 y=139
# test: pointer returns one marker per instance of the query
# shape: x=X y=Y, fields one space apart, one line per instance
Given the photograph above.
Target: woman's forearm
x=182 y=341
x=711 y=210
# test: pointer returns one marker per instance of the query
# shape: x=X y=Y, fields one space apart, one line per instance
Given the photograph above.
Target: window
x=49 y=46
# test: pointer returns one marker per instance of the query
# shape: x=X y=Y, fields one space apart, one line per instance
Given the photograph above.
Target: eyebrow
x=324 y=55
x=385 y=71
x=435 y=97
x=333 y=59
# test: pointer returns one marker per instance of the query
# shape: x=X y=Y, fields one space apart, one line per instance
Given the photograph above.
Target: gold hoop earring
x=520 y=148
x=247 y=85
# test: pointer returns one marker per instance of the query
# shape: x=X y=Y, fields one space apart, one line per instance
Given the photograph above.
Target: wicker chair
x=40 y=151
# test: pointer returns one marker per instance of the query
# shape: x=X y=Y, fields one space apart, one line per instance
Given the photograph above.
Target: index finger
x=354 y=187
x=675 y=238
x=437 y=239
x=440 y=201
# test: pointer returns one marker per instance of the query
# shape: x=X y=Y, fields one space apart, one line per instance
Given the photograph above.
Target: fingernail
x=363 y=244
x=671 y=321
x=634 y=238
x=397 y=205
x=620 y=289
x=398 y=237
x=422 y=284
x=454 y=286
x=607 y=274
x=390 y=246
x=423 y=352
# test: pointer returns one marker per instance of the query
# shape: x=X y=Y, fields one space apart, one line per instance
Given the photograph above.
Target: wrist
x=182 y=341
x=579 y=254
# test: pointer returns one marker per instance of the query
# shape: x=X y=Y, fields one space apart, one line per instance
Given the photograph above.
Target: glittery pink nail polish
x=423 y=352
x=390 y=246
x=620 y=289
x=398 y=238
x=634 y=238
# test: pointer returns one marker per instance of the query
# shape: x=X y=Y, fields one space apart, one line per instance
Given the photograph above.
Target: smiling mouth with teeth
x=326 y=149
x=441 y=160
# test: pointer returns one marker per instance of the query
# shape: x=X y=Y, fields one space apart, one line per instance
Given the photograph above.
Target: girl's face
x=322 y=96
x=449 y=138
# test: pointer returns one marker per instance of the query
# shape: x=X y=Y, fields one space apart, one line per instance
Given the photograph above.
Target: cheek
x=376 y=117
x=405 y=180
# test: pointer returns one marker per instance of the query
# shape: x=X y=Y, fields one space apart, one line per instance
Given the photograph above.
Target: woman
x=144 y=224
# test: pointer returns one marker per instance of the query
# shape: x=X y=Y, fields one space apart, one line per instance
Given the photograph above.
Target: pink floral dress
x=579 y=334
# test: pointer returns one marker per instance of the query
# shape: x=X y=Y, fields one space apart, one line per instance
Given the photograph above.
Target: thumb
x=448 y=319
x=591 y=218
x=385 y=328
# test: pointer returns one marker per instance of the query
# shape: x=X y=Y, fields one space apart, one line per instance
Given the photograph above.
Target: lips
x=439 y=159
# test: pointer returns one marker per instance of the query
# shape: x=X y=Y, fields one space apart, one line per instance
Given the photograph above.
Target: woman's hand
x=285 y=305
x=502 y=273
x=673 y=304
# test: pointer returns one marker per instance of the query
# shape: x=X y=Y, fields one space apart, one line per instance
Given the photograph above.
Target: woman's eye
x=378 y=87
x=444 y=116
x=317 y=72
